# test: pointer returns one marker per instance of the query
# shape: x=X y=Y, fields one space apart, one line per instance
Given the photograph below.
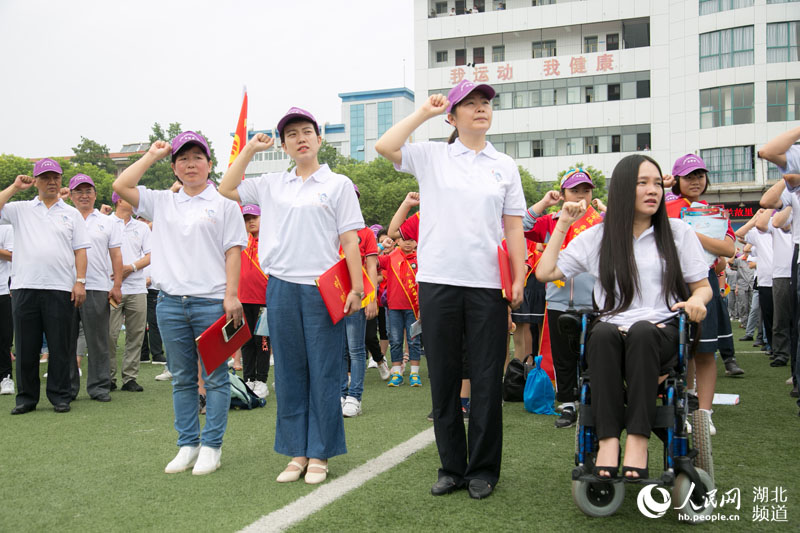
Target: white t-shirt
x=582 y=254
x=45 y=242
x=763 y=245
x=135 y=245
x=190 y=237
x=464 y=196
x=104 y=235
x=782 y=250
x=792 y=160
x=6 y=243
x=301 y=221
x=793 y=199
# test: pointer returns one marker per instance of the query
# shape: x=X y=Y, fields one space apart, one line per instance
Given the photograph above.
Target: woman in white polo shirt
x=196 y=245
x=471 y=194
x=637 y=299
x=305 y=214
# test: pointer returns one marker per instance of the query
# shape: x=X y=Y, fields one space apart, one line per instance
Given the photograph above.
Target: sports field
x=100 y=468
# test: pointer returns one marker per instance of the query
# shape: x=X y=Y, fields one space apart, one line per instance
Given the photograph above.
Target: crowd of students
x=257 y=246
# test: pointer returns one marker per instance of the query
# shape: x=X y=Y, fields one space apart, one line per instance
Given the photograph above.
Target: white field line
x=327 y=493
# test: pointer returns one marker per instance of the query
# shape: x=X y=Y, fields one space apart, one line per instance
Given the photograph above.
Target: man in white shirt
x=103 y=259
x=48 y=277
x=6 y=323
x=133 y=308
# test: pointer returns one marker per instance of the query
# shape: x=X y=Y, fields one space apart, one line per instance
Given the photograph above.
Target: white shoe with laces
x=351 y=407
x=260 y=389
x=166 y=375
x=7 y=386
x=186 y=458
x=371 y=363
x=207 y=460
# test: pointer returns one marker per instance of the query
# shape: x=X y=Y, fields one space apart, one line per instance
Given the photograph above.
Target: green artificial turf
x=100 y=467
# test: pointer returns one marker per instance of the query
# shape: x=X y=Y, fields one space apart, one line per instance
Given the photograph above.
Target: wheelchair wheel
x=598 y=499
x=701 y=441
x=682 y=489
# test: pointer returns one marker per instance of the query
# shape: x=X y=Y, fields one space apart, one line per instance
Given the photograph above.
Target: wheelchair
x=687 y=462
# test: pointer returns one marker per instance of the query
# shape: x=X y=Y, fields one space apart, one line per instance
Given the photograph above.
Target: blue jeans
x=307 y=349
x=181 y=319
x=355 y=326
x=400 y=320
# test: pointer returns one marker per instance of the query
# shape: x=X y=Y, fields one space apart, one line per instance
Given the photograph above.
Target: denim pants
x=753 y=326
x=307 y=348
x=355 y=326
x=400 y=320
x=181 y=319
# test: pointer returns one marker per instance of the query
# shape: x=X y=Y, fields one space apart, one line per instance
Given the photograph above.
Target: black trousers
x=636 y=360
x=794 y=332
x=371 y=340
x=152 y=344
x=448 y=314
x=38 y=311
x=765 y=301
x=255 y=352
x=6 y=335
x=565 y=360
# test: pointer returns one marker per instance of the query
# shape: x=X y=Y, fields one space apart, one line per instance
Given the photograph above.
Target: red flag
x=240 y=136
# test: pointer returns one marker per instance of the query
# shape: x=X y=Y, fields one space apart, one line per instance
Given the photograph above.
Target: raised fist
x=412 y=199
x=23 y=182
x=435 y=105
x=551 y=198
x=668 y=181
x=160 y=149
x=572 y=211
x=260 y=142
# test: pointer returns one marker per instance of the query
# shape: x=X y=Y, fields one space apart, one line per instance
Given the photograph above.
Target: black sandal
x=643 y=473
x=612 y=472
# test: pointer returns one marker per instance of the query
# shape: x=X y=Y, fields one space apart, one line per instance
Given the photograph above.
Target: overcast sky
x=108 y=70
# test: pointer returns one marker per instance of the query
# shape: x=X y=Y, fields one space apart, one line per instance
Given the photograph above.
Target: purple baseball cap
x=46 y=165
x=115 y=198
x=296 y=112
x=190 y=137
x=574 y=177
x=462 y=90
x=251 y=209
x=687 y=164
x=77 y=179
x=376 y=228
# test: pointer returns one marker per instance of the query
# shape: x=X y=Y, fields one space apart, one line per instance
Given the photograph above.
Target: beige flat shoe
x=312 y=478
x=287 y=476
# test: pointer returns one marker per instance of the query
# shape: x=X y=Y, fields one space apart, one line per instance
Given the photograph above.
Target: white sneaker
x=7 y=386
x=261 y=389
x=342 y=403
x=351 y=407
x=371 y=363
x=251 y=385
x=186 y=458
x=166 y=375
x=383 y=369
x=207 y=460
x=712 y=429
x=44 y=375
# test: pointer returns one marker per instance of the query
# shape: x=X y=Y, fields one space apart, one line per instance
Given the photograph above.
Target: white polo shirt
x=582 y=254
x=45 y=242
x=782 y=250
x=301 y=221
x=6 y=243
x=464 y=196
x=792 y=160
x=763 y=245
x=135 y=245
x=190 y=237
x=793 y=199
x=104 y=235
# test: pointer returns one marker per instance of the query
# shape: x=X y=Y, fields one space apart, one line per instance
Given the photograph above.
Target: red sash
x=406 y=277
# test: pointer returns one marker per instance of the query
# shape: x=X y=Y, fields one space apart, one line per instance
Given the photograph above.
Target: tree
x=94 y=153
x=12 y=166
x=382 y=188
x=533 y=189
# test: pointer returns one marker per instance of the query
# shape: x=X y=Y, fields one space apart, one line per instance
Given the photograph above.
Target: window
x=725 y=106
x=615 y=143
x=573 y=95
x=572 y=142
x=781 y=2
x=477 y=56
x=643 y=89
x=783 y=100
x=590 y=145
x=441 y=8
x=642 y=141
x=498 y=54
x=544 y=49
x=384 y=117
x=542 y=2
x=461 y=57
x=612 y=41
x=589 y=45
x=524 y=149
x=613 y=91
x=726 y=48
x=783 y=41
x=441 y=56
x=715 y=6
x=636 y=33
x=589 y=94
x=731 y=164
x=357 y=132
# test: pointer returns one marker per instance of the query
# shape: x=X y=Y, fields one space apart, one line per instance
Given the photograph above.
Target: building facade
x=594 y=80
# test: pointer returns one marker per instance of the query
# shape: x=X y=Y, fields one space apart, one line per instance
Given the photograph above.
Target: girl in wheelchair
x=641 y=283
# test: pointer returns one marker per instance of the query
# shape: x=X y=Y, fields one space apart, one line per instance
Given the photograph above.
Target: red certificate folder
x=505 y=273
x=212 y=347
x=334 y=286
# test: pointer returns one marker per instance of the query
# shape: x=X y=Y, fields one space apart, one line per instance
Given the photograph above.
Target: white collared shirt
x=45 y=241
x=763 y=245
x=782 y=250
x=582 y=254
x=104 y=235
x=190 y=237
x=793 y=199
x=6 y=243
x=301 y=221
x=463 y=196
x=135 y=245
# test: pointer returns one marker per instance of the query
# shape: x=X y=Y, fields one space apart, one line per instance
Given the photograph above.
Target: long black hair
x=619 y=275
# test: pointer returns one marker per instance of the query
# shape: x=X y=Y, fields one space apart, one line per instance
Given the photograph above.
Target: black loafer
x=61 y=408
x=479 y=489
x=446 y=485
x=132 y=386
x=22 y=409
x=102 y=398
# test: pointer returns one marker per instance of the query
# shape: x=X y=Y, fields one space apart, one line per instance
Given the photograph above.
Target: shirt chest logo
x=498 y=177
